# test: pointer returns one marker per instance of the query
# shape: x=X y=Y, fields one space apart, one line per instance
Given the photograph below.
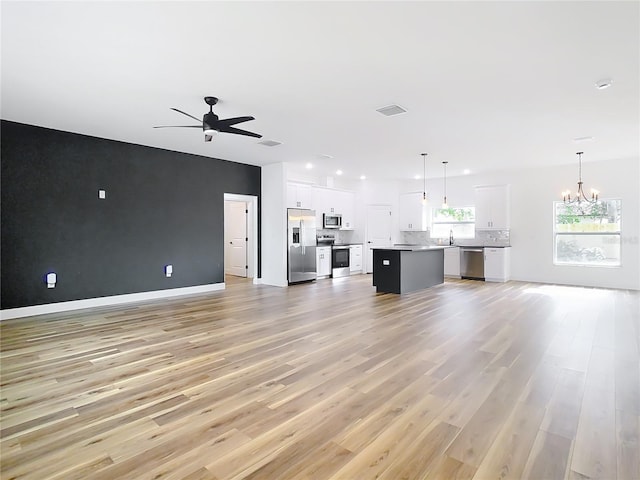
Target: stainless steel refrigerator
x=301 y=245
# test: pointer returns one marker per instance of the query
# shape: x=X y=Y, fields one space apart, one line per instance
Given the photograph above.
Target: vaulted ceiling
x=485 y=85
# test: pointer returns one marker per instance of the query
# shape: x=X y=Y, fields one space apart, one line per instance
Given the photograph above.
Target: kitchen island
x=403 y=269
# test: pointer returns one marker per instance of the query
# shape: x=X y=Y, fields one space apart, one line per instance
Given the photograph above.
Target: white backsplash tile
x=483 y=237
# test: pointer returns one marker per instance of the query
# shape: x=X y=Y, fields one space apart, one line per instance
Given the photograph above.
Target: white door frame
x=233 y=221
x=368 y=258
x=252 y=231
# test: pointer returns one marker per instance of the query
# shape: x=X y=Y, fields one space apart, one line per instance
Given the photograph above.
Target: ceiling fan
x=211 y=124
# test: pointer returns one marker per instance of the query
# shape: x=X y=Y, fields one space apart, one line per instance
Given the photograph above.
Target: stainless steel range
x=340 y=261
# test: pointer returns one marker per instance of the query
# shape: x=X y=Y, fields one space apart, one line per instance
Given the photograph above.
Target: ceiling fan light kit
x=211 y=124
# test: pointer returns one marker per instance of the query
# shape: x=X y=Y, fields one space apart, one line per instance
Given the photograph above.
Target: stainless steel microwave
x=331 y=220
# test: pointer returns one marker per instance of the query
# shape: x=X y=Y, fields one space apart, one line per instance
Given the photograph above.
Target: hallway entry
x=235 y=238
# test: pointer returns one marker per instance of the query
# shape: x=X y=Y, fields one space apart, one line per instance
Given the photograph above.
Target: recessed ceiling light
x=604 y=83
x=466 y=171
x=583 y=139
x=363 y=177
x=309 y=166
x=338 y=172
x=417 y=177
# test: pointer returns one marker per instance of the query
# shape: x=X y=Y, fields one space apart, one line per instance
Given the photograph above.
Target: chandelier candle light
x=580 y=196
x=424 y=178
x=444 y=203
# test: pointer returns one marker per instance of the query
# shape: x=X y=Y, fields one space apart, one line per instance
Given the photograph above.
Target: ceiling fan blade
x=184 y=113
x=179 y=126
x=207 y=138
x=227 y=122
x=238 y=131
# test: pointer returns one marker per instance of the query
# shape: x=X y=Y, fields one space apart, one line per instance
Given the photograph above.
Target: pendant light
x=424 y=178
x=580 y=196
x=444 y=203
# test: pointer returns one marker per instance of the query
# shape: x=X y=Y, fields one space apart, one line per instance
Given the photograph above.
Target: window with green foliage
x=587 y=234
x=461 y=221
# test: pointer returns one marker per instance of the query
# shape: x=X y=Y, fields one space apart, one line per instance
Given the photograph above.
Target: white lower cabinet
x=355 y=259
x=497 y=264
x=323 y=261
x=452 y=262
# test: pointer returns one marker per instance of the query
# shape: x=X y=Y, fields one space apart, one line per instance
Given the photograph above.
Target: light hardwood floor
x=329 y=380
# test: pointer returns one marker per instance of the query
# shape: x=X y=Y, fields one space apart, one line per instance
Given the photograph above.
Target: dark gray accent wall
x=161 y=207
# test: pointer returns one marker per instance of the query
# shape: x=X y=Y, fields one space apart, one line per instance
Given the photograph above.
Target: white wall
x=274 y=225
x=532 y=194
x=371 y=192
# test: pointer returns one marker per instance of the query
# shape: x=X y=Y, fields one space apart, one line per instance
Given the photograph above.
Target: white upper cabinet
x=328 y=200
x=412 y=216
x=348 y=207
x=299 y=196
x=492 y=207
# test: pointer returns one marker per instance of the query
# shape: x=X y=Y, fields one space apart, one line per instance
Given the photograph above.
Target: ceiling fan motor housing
x=209 y=120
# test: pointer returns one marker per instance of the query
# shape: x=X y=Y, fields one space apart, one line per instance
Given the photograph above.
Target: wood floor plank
x=594 y=453
x=564 y=407
x=508 y=454
x=328 y=380
x=549 y=457
x=628 y=445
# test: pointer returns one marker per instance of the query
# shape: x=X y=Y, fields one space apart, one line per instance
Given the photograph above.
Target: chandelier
x=580 y=196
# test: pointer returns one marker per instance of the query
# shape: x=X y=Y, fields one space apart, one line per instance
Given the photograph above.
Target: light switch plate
x=102 y=194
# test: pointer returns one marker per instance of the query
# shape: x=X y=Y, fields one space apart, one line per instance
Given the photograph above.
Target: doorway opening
x=378 y=231
x=241 y=236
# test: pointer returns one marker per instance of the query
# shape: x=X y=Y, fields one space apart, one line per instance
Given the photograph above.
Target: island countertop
x=414 y=248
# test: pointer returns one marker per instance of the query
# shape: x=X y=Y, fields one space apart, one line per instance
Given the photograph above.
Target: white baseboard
x=106 y=301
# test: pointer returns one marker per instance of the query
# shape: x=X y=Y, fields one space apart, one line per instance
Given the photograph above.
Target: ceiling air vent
x=270 y=143
x=391 y=110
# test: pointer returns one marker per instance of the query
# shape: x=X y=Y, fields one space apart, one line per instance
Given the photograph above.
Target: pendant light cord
x=424 y=176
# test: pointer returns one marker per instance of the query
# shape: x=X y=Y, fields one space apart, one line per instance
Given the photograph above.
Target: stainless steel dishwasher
x=472 y=263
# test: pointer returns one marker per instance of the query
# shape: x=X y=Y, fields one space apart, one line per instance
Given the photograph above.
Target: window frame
x=455 y=222
x=600 y=233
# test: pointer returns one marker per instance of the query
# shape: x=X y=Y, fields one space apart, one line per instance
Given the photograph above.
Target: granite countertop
x=471 y=245
x=414 y=248
x=483 y=246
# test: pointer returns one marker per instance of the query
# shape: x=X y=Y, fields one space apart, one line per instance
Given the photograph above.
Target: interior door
x=378 y=231
x=235 y=232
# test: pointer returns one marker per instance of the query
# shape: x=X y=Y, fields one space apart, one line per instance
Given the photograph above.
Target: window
x=587 y=234
x=461 y=221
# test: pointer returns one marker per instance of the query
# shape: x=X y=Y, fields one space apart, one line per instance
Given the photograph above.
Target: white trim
x=252 y=229
x=106 y=301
